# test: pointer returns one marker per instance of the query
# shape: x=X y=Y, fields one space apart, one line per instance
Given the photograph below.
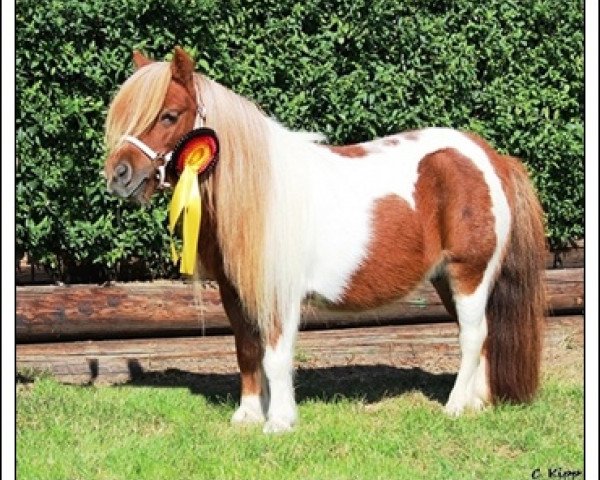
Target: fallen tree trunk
x=430 y=347
x=50 y=313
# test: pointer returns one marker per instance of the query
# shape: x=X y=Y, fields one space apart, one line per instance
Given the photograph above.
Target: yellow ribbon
x=187 y=201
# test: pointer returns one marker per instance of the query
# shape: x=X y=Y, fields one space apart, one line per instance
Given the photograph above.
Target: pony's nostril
x=123 y=173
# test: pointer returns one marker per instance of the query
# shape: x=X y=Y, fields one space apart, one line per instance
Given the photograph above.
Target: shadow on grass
x=370 y=383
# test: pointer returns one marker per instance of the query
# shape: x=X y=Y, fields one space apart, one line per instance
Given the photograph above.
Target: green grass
x=172 y=431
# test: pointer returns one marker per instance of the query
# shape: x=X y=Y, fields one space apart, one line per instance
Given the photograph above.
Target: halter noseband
x=161 y=160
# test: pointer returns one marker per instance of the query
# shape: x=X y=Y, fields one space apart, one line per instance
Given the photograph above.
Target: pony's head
x=150 y=113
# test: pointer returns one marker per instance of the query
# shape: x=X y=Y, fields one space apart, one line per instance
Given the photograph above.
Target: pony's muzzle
x=122 y=174
x=120 y=180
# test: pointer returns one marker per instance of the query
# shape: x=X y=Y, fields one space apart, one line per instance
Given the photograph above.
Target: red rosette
x=198 y=149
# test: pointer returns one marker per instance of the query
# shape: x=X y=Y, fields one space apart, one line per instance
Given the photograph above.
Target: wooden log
x=87 y=311
x=47 y=313
x=573 y=257
x=432 y=347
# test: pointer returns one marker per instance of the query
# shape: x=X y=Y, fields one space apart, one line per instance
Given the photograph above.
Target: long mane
x=137 y=103
x=238 y=193
x=254 y=194
x=258 y=194
x=263 y=212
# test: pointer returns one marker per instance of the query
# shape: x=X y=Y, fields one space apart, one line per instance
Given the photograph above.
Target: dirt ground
x=367 y=366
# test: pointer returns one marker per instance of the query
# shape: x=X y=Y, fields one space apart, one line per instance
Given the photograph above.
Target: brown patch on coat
x=274 y=333
x=349 y=151
x=248 y=345
x=394 y=263
x=453 y=223
x=453 y=198
x=502 y=166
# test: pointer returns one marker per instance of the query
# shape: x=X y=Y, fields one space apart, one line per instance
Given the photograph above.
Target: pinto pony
x=284 y=215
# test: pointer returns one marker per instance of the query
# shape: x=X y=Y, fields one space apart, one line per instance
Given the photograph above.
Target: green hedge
x=353 y=69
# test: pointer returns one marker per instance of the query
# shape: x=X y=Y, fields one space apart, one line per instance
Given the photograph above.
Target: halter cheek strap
x=156 y=157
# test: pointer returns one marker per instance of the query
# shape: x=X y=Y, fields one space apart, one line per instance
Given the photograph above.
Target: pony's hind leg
x=477 y=390
x=479 y=387
x=278 y=364
x=469 y=388
x=254 y=397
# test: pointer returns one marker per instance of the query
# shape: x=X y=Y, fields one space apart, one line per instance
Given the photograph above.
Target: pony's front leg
x=278 y=365
x=254 y=397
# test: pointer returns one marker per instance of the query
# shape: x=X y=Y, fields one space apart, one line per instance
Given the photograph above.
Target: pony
x=285 y=215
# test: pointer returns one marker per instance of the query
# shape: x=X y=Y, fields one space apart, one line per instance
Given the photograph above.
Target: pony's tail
x=516 y=304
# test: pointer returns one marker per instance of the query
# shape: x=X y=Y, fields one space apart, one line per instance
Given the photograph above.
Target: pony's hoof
x=454 y=409
x=247 y=416
x=477 y=404
x=277 y=426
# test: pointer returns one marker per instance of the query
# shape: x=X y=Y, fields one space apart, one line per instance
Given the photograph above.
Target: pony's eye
x=168 y=118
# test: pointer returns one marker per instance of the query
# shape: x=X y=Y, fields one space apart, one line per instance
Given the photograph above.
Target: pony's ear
x=140 y=60
x=182 y=68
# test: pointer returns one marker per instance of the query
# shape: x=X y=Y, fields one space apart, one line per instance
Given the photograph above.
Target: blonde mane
x=137 y=103
x=238 y=194
x=258 y=194
x=253 y=226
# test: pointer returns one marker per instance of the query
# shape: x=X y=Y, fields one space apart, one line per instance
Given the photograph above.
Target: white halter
x=155 y=157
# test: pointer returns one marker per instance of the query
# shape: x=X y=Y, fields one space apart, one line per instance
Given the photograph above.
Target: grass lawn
x=354 y=423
